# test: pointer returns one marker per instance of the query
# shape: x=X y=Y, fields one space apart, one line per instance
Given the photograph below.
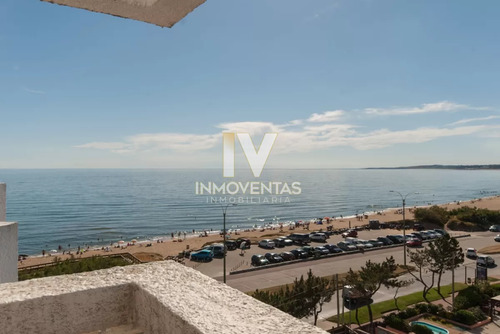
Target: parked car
x=494 y=228
x=267 y=243
x=386 y=241
x=333 y=248
x=318 y=237
x=218 y=250
x=240 y=240
x=323 y=250
x=287 y=256
x=376 y=243
x=497 y=238
x=433 y=235
x=440 y=231
x=425 y=235
x=345 y=246
x=259 y=260
x=366 y=243
x=283 y=242
x=471 y=253
x=300 y=238
x=311 y=251
x=418 y=227
x=414 y=242
x=350 y=233
x=485 y=261
x=231 y=244
x=299 y=253
x=396 y=239
x=202 y=255
x=418 y=235
x=273 y=257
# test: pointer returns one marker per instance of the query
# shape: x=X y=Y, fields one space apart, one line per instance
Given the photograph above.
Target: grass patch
x=386 y=306
x=72 y=266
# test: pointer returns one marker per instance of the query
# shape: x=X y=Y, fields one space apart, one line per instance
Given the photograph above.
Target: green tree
x=422 y=261
x=445 y=254
x=305 y=298
x=368 y=280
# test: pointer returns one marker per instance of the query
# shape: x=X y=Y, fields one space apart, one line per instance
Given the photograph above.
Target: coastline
x=168 y=246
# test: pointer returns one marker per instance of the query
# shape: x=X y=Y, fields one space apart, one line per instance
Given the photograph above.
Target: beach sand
x=170 y=248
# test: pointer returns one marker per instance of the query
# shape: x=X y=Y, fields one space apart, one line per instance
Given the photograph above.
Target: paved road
x=286 y=274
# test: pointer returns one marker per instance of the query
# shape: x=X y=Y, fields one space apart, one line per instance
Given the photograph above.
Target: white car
x=267 y=243
x=497 y=238
x=485 y=261
x=471 y=253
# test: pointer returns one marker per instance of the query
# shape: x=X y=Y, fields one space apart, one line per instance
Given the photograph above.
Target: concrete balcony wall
x=161 y=297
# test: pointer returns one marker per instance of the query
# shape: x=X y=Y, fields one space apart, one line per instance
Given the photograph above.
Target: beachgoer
x=242 y=247
x=43 y=252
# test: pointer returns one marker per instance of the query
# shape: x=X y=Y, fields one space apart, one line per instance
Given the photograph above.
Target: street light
x=224 y=210
x=403 y=198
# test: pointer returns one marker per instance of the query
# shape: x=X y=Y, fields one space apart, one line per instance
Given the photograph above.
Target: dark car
x=299 y=253
x=418 y=227
x=418 y=235
x=333 y=248
x=311 y=251
x=282 y=242
x=386 y=241
x=231 y=244
x=259 y=260
x=273 y=257
x=350 y=233
x=395 y=239
x=287 y=256
x=240 y=240
x=323 y=250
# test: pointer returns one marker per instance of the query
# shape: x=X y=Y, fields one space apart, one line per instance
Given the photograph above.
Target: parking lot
x=237 y=262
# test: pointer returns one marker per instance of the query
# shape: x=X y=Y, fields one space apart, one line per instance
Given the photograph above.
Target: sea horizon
x=99 y=206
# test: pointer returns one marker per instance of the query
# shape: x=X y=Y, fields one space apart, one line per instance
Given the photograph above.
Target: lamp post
x=224 y=210
x=403 y=198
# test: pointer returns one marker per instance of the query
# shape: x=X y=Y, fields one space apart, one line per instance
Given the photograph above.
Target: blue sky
x=347 y=83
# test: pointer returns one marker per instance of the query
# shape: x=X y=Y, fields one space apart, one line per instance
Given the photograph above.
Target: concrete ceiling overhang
x=164 y=13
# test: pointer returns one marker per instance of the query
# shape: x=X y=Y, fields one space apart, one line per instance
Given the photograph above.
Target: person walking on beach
x=242 y=247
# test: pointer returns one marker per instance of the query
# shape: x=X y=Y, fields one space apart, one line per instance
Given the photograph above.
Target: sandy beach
x=171 y=247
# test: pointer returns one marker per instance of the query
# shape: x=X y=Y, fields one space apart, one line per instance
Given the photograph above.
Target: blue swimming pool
x=433 y=328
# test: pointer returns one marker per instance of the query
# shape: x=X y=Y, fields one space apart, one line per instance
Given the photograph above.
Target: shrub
x=420 y=329
x=434 y=309
x=394 y=321
x=478 y=313
x=469 y=297
x=433 y=215
x=408 y=313
x=465 y=317
x=423 y=307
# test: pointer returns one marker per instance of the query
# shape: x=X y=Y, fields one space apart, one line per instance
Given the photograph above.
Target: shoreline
x=168 y=246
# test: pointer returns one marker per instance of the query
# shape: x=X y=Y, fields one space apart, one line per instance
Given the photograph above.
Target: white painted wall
x=8 y=252
x=3 y=197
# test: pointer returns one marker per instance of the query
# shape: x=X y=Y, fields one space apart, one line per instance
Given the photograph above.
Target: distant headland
x=466 y=167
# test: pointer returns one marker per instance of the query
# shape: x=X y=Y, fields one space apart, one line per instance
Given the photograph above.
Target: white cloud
x=470 y=120
x=319 y=133
x=443 y=106
x=327 y=116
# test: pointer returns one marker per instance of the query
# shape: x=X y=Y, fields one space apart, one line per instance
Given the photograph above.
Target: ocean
x=98 y=206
